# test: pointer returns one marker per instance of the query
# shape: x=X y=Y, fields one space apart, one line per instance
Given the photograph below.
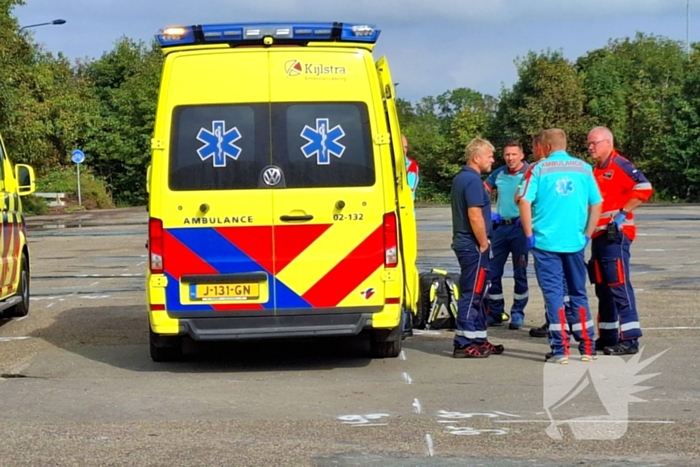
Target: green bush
x=430 y=193
x=93 y=190
x=33 y=205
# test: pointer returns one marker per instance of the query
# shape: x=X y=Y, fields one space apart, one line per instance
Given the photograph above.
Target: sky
x=432 y=46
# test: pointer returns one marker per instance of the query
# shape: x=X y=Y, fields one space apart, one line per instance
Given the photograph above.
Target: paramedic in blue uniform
x=559 y=210
x=471 y=229
x=508 y=238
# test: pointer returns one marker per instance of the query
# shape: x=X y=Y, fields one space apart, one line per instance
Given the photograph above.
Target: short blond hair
x=555 y=138
x=475 y=146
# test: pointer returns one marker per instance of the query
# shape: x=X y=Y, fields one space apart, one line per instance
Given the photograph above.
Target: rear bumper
x=270 y=325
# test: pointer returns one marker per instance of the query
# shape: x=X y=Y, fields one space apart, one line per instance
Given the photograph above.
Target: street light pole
x=56 y=21
x=687 y=28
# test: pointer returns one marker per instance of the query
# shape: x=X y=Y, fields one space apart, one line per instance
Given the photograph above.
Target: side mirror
x=26 y=181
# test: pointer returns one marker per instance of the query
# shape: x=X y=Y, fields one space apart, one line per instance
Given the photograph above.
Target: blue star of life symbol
x=322 y=141
x=565 y=186
x=218 y=143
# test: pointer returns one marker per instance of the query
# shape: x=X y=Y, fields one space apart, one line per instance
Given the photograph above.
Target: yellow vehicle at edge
x=15 y=267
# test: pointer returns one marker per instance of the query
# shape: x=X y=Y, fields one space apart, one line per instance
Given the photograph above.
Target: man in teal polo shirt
x=508 y=238
x=559 y=210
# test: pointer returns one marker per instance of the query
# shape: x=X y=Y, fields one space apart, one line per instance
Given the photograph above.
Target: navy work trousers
x=609 y=270
x=550 y=267
x=471 y=313
x=508 y=240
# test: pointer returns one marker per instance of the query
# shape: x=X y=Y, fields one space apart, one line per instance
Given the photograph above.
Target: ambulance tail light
x=155 y=245
x=390 y=241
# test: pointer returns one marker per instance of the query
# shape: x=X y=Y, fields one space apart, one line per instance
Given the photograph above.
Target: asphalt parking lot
x=79 y=388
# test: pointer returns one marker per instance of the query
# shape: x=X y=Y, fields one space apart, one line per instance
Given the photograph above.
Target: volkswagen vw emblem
x=272 y=176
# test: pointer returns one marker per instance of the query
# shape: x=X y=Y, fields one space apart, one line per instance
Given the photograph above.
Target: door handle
x=306 y=217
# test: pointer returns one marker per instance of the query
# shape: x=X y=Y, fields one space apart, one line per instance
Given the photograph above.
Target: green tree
x=438 y=129
x=637 y=87
x=548 y=94
x=126 y=82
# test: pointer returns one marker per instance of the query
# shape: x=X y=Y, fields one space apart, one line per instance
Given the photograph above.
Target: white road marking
x=21 y=319
x=50 y=305
x=407 y=378
x=421 y=332
x=402 y=355
x=94 y=284
x=363 y=420
x=654 y=422
x=8 y=339
x=141 y=264
x=416 y=406
x=672 y=328
x=431 y=446
x=469 y=431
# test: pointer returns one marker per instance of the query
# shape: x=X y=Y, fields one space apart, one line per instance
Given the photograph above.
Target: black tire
x=165 y=348
x=385 y=349
x=22 y=308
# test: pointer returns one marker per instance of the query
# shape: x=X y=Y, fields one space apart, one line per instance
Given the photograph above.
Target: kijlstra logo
x=293 y=68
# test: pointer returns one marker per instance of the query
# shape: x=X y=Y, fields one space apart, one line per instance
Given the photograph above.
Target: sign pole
x=78 y=157
x=80 y=201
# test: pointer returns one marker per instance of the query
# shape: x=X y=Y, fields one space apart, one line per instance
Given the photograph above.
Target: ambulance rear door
x=328 y=209
x=216 y=213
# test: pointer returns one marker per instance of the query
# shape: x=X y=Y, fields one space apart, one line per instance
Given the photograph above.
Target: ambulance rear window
x=323 y=144
x=227 y=147
x=219 y=147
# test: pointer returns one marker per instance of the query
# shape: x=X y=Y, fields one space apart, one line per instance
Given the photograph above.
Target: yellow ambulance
x=14 y=271
x=278 y=199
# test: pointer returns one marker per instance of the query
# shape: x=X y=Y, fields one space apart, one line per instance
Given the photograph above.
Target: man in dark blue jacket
x=471 y=230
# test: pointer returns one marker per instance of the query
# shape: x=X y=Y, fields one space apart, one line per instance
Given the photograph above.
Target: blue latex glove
x=619 y=219
x=495 y=217
x=531 y=242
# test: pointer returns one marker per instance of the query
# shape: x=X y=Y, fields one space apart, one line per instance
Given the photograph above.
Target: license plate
x=226 y=291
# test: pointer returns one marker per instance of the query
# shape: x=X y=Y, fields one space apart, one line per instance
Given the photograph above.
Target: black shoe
x=514 y=326
x=542 y=331
x=470 y=351
x=621 y=348
x=493 y=349
x=601 y=343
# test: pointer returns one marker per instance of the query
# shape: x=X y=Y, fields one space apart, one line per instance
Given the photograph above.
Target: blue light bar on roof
x=256 y=32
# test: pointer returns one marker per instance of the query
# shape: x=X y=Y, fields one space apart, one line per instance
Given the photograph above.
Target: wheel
x=165 y=348
x=22 y=308
x=385 y=349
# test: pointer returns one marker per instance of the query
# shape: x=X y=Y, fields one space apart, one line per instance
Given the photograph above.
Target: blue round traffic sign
x=78 y=156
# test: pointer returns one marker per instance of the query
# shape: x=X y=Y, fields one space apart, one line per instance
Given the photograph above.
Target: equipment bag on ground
x=437 y=308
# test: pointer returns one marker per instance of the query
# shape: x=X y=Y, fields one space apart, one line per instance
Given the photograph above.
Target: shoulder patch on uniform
x=608 y=174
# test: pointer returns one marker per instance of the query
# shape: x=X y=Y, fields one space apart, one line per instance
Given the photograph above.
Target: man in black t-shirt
x=471 y=230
